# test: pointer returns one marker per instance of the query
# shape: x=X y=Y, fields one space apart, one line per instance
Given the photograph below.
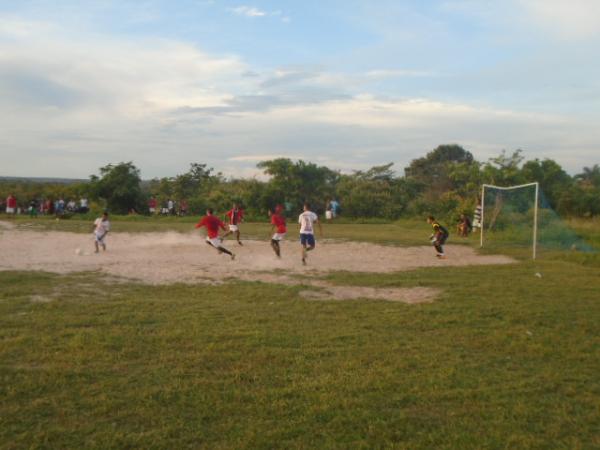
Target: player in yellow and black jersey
x=439 y=236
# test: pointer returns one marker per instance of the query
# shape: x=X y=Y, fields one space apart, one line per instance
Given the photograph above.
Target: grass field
x=503 y=359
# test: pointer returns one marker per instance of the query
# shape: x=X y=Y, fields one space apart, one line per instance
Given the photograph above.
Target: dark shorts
x=441 y=239
x=307 y=239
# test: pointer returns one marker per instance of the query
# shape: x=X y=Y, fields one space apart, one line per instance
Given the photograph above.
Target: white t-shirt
x=306 y=221
x=102 y=227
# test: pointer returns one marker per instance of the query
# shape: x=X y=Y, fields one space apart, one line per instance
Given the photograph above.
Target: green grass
x=503 y=359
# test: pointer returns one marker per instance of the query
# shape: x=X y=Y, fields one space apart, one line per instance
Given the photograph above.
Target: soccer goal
x=510 y=214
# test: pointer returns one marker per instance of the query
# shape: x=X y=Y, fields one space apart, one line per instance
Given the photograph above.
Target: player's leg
x=439 y=247
x=224 y=250
x=237 y=235
x=311 y=242
x=303 y=247
x=214 y=243
x=96 y=245
x=275 y=247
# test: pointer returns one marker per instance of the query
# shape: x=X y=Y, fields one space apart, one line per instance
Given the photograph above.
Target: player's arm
x=200 y=223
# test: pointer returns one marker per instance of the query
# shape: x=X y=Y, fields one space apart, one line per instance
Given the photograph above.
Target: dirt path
x=160 y=258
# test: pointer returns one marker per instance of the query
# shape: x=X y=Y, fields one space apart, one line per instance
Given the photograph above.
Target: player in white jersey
x=307 y=232
x=101 y=229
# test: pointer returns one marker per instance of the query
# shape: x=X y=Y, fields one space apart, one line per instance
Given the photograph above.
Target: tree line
x=445 y=182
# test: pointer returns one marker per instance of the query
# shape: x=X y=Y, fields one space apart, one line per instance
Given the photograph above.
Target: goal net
x=521 y=217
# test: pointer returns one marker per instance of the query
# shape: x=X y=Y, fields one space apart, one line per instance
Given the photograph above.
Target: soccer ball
x=78 y=251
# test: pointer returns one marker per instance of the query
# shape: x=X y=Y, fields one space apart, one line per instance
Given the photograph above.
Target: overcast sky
x=347 y=84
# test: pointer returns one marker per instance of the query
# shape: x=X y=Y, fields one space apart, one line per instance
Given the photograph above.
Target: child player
x=307 y=232
x=212 y=224
x=101 y=229
x=277 y=225
x=236 y=215
x=439 y=236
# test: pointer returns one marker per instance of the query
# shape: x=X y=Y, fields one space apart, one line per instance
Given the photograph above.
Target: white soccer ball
x=78 y=251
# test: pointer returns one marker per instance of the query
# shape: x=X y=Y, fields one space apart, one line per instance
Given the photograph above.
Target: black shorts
x=441 y=239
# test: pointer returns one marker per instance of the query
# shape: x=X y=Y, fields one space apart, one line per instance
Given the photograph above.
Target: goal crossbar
x=509 y=188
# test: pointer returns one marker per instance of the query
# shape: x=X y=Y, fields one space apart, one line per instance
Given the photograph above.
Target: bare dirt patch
x=162 y=258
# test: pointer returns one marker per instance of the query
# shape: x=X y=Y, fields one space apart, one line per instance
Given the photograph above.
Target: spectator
x=49 y=206
x=477 y=215
x=183 y=207
x=11 y=205
x=152 y=203
x=464 y=226
x=171 y=207
x=83 y=205
x=335 y=208
x=33 y=210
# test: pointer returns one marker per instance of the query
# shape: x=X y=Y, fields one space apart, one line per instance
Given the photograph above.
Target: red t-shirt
x=279 y=222
x=152 y=203
x=11 y=202
x=212 y=224
x=235 y=217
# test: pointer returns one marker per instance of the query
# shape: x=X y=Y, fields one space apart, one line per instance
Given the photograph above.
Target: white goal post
x=509 y=188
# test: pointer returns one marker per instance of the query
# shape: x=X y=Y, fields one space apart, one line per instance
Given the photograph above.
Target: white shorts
x=328 y=215
x=152 y=210
x=99 y=237
x=215 y=242
x=278 y=236
x=10 y=210
x=234 y=228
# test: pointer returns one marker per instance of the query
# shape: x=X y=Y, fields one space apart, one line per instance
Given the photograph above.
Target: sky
x=347 y=84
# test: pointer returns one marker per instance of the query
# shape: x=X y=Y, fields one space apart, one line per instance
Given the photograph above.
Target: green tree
x=551 y=176
x=297 y=182
x=118 y=186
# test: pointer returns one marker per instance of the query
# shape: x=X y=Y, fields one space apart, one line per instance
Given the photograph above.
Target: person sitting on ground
x=464 y=226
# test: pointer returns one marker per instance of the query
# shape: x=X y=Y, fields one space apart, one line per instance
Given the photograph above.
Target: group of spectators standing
x=46 y=206
x=168 y=207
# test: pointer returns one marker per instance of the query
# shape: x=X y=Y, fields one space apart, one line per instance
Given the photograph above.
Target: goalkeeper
x=439 y=236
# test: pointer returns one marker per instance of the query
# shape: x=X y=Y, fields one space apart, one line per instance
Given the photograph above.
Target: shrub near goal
x=520 y=216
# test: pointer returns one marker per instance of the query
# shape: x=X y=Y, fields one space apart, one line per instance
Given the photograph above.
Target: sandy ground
x=160 y=258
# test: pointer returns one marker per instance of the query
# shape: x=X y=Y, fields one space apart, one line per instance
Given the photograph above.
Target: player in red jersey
x=212 y=224
x=277 y=225
x=236 y=216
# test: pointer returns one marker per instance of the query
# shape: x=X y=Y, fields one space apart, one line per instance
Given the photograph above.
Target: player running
x=439 y=236
x=212 y=224
x=236 y=215
x=277 y=225
x=307 y=234
x=101 y=229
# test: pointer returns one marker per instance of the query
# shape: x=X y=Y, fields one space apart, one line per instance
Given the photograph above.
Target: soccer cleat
x=441 y=256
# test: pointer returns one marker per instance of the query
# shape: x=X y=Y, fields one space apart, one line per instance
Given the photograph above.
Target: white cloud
x=258 y=158
x=572 y=19
x=70 y=106
x=252 y=12
x=393 y=73
x=248 y=11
